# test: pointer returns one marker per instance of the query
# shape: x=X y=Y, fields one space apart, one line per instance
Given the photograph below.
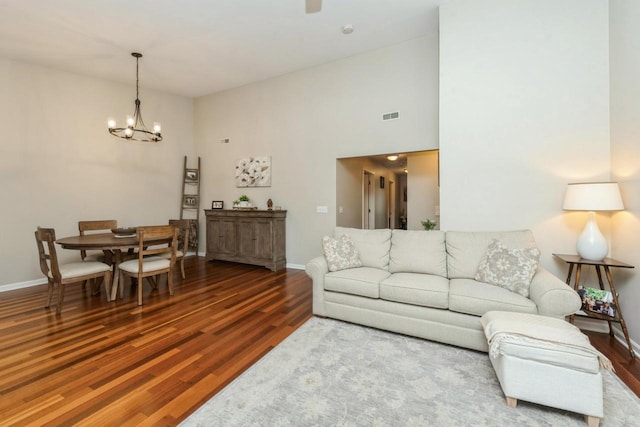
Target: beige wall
x=58 y=164
x=625 y=153
x=349 y=176
x=524 y=110
x=423 y=194
x=308 y=119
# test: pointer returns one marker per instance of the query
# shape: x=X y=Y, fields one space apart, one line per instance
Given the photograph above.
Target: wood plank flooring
x=101 y=363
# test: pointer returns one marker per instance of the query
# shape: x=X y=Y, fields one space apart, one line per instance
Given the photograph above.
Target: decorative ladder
x=190 y=201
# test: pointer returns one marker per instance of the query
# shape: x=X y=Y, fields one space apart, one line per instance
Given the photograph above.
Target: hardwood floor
x=102 y=363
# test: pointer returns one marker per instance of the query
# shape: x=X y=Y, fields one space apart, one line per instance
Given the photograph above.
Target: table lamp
x=591 y=197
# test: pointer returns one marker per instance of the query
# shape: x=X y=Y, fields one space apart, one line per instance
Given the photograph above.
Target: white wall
x=308 y=119
x=625 y=153
x=524 y=110
x=59 y=165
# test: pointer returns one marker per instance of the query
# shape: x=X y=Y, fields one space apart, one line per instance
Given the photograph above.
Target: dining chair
x=99 y=225
x=64 y=274
x=153 y=259
x=183 y=240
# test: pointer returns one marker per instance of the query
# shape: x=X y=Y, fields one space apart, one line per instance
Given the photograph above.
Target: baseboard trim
x=21 y=285
x=295 y=266
x=289 y=265
x=603 y=327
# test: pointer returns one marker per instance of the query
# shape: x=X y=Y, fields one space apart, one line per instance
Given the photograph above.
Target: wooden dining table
x=115 y=249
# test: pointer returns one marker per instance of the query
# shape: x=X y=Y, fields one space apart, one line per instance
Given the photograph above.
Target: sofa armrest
x=552 y=296
x=316 y=269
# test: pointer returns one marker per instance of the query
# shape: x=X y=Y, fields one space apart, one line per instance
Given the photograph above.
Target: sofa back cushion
x=418 y=251
x=466 y=249
x=373 y=245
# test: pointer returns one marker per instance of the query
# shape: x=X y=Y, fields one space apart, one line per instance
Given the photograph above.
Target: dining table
x=116 y=248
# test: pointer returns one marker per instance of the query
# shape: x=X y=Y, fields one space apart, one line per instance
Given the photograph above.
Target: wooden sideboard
x=249 y=236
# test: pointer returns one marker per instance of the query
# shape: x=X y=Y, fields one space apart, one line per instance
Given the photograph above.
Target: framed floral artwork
x=253 y=172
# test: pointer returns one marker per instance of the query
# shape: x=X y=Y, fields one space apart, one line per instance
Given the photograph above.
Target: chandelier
x=135 y=129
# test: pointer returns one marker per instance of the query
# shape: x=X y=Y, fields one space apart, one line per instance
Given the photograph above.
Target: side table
x=605 y=264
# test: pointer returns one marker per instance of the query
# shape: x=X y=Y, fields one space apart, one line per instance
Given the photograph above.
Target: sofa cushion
x=418 y=289
x=363 y=281
x=418 y=251
x=340 y=253
x=372 y=245
x=511 y=269
x=466 y=249
x=473 y=297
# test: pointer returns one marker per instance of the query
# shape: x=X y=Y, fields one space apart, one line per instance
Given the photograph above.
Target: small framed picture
x=382 y=182
x=217 y=204
x=189 y=201
x=191 y=175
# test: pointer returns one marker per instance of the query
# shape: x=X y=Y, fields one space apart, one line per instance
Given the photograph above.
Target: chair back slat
x=45 y=239
x=104 y=224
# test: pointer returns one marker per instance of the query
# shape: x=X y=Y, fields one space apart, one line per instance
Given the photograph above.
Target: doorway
x=396 y=191
x=368 y=201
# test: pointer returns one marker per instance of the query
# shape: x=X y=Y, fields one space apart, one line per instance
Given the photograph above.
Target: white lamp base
x=591 y=244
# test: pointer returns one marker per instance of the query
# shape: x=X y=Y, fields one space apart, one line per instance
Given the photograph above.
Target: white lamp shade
x=593 y=196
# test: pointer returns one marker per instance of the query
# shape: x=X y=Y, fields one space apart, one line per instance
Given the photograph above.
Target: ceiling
x=197 y=47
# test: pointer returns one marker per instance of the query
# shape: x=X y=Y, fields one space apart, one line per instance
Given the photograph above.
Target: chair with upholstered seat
x=183 y=240
x=64 y=274
x=153 y=258
x=100 y=225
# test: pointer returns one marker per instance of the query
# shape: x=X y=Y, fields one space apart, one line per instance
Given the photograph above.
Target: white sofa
x=422 y=283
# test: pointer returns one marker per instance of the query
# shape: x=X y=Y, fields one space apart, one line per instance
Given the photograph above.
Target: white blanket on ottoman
x=546 y=332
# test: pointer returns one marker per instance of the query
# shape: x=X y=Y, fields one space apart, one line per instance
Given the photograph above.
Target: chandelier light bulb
x=111 y=123
x=156 y=127
x=130 y=121
x=128 y=132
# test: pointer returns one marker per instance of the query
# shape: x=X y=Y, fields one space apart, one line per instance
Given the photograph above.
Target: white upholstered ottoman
x=547 y=361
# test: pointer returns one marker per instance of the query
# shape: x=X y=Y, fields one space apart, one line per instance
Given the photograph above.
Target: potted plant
x=428 y=224
x=244 y=201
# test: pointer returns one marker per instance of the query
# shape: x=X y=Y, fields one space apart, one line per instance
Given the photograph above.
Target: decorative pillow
x=511 y=269
x=340 y=253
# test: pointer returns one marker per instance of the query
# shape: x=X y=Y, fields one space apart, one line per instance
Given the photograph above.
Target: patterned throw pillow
x=511 y=269
x=340 y=253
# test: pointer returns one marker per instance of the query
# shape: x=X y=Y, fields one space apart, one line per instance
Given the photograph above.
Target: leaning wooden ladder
x=190 y=201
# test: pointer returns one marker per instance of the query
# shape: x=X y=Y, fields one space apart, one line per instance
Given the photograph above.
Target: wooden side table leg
x=622 y=322
x=602 y=288
x=576 y=283
x=568 y=281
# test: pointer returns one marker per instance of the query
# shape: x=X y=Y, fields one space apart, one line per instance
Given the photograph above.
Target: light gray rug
x=331 y=373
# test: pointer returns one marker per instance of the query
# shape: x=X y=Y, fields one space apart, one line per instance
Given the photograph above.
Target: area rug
x=332 y=373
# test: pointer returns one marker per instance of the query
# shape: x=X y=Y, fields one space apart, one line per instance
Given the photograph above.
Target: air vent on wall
x=390 y=116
